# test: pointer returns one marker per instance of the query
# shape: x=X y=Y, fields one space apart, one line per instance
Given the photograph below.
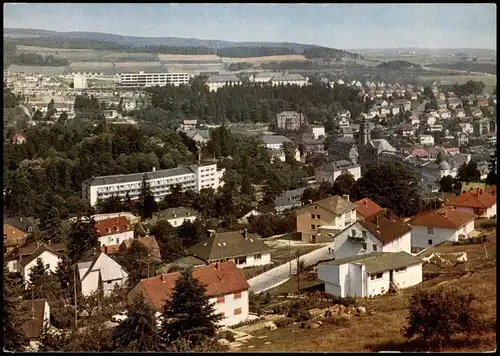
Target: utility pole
x=289 y=256
x=298 y=273
x=76 y=306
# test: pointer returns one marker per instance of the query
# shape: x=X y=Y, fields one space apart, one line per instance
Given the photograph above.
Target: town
x=183 y=202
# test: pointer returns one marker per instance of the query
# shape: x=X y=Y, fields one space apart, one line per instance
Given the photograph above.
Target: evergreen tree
x=13 y=315
x=42 y=284
x=139 y=332
x=147 y=202
x=82 y=237
x=64 y=275
x=50 y=225
x=189 y=314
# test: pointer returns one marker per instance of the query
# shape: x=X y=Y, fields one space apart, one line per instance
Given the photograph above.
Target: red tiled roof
x=476 y=198
x=113 y=226
x=385 y=226
x=219 y=279
x=366 y=207
x=445 y=218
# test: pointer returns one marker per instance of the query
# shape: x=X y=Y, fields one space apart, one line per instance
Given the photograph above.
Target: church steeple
x=364 y=133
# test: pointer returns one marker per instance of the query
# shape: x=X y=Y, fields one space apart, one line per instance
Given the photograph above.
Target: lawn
x=490 y=81
x=382 y=330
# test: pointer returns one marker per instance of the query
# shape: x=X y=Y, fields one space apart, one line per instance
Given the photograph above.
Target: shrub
x=345 y=301
x=62 y=318
x=472 y=241
x=282 y=323
x=436 y=315
x=337 y=320
x=229 y=336
x=488 y=223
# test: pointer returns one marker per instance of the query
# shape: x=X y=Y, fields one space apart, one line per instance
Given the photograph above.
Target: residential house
x=371 y=274
x=442 y=105
x=289 y=199
x=100 y=272
x=426 y=140
x=332 y=214
x=199 y=136
x=275 y=143
x=406 y=129
x=477 y=201
x=475 y=112
x=436 y=128
x=431 y=228
x=240 y=247
x=18 y=139
x=318 y=131
x=313 y=146
x=380 y=232
x=428 y=120
x=175 y=216
x=348 y=132
x=114 y=231
x=147 y=241
x=466 y=127
x=226 y=288
x=414 y=120
x=462 y=138
x=454 y=102
x=18 y=258
x=459 y=113
x=365 y=208
x=37 y=318
x=16 y=230
x=394 y=110
x=290 y=120
x=482 y=101
x=411 y=95
x=481 y=127
x=214 y=82
x=344 y=149
x=344 y=123
x=444 y=114
x=181 y=263
x=331 y=171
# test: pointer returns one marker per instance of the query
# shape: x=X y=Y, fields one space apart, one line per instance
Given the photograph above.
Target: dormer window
x=108 y=230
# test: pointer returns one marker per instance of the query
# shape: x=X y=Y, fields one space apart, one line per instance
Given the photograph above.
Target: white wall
x=91 y=283
x=376 y=286
x=420 y=236
x=355 y=277
x=329 y=176
x=180 y=220
x=116 y=239
x=345 y=248
x=48 y=258
x=412 y=276
x=491 y=212
x=228 y=307
x=251 y=261
x=401 y=244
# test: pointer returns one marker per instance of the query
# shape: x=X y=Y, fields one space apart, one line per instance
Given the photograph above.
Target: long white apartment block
x=142 y=79
x=195 y=177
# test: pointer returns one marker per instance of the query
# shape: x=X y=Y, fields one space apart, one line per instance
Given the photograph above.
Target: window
x=376 y=276
x=374 y=248
x=117 y=241
x=353 y=232
x=363 y=233
x=312 y=216
x=318 y=217
x=429 y=242
x=237 y=311
x=257 y=256
x=430 y=230
x=110 y=239
x=241 y=260
x=402 y=269
x=237 y=295
x=313 y=227
x=363 y=246
x=315 y=207
x=220 y=300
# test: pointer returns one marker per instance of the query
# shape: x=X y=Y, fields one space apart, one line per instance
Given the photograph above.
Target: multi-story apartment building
x=290 y=120
x=218 y=81
x=142 y=79
x=194 y=177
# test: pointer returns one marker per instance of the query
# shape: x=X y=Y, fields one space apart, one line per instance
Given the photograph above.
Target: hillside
x=398 y=65
x=468 y=66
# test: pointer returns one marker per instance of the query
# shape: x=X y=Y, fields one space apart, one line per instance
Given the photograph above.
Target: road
x=420 y=108
x=281 y=274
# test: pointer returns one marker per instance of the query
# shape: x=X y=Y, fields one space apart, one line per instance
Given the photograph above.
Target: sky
x=345 y=26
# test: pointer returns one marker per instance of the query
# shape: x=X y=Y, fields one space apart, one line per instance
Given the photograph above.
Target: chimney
x=345 y=197
x=245 y=234
x=376 y=220
x=365 y=202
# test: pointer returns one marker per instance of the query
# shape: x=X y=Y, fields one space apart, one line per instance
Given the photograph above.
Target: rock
x=314 y=326
x=320 y=322
x=223 y=342
x=250 y=346
x=271 y=326
x=346 y=316
x=361 y=310
x=267 y=343
x=262 y=337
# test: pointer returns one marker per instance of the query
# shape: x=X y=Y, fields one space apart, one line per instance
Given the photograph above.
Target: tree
x=343 y=184
x=491 y=178
x=148 y=204
x=446 y=184
x=82 y=237
x=390 y=186
x=189 y=314
x=436 y=315
x=137 y=261
x=139 y=332
x=64 y=276
x=468 y=172
x=42 y=284
x=13 y=315
x=50 y=225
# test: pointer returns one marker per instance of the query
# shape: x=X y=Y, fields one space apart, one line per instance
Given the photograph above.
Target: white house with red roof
x=114 y=231
x=225 y=284
x=477 y=201
x=18 y=139
x=434 y=227
x=380 y=232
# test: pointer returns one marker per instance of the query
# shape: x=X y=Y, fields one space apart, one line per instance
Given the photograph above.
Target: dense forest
x=190 y=50
x=292 y=65
x=240 y=66
x=329 y=53
x=244 y=52
x=33 y=59
x=471 y=87
x=252 y=102
x=68 y=43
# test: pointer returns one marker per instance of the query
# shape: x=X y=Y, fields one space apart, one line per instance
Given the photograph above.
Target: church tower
x=364 y=133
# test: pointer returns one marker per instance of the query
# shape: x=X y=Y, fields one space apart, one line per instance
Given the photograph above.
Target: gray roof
x=135 y=177
x=45 y=70
x=339 y=165
x=178 y=212
x=235 y=246
x=90 y=69
x=379 y=261
x=203 y=133
x=223 y=78
x=287 y=76
x=382 y=145
x=189 y=261
x=275 y=139
x=335 y=204
x=136 y=69
x=21 y=223
x=287 y=197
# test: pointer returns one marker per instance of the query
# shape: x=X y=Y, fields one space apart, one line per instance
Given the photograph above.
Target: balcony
x=357 y=239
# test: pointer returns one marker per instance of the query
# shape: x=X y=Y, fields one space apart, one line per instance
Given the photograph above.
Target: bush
x=488 y=223
x=345 y=301
x=62 y=318
x=282 y=323
x=436 y=315
x=472 y=241
x=229 y=336
x=338 y=320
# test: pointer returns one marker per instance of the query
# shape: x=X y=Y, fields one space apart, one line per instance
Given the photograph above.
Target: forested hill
x=398 y=65
x=97 y=40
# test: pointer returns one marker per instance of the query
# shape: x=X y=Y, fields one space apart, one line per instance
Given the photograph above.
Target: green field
x=490 y=81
